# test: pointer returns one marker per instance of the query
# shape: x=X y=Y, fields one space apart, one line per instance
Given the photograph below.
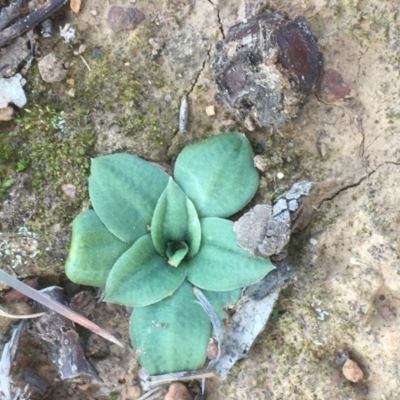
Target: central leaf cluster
x=150 y=237
x=175 y=227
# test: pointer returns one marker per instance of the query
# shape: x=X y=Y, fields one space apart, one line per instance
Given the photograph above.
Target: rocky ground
x=121 y=91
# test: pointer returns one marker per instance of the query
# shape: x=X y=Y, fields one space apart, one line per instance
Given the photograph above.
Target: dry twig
x=30 y=21
x=57 y=307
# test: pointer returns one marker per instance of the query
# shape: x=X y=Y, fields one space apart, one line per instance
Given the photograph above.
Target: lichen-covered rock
x=266 y=67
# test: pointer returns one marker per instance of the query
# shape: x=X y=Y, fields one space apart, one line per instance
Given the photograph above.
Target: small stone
x=94 y=13
x=260 y=163
x=323 y=150
x=12 y=56
x=75 y=5
x=212 y=351
x=387 y=313
x=51 y=69
x=155 y=45
x=81 y=49
x=14 y=295
x=352 y=372
x=178 y=391
x=69 y=190
x=124 y=18
x=6 y=114
x=313 y=241
x=334 y=85
x=210 y=111
x=71 y=92
x=280 y=175
x=133 y=392
x=71 y=81
x=341 y=358
x=11 y=91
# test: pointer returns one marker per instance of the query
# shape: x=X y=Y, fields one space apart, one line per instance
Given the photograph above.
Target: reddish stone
x=124 y=18
x=334 y=84
x=14 y=295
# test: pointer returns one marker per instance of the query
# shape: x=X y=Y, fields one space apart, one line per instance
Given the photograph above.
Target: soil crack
x=192 y=86
x=345 y=110
x=203 y=65
x=221 y=27
x=340 y=190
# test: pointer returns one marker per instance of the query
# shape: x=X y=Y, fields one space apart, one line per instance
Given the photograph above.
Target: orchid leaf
x=124 y=190
x=93 y=251
x=222 y=300
x=176 y=252
x=175 y=220
x=221 y=264
x=171 y=335
x=141 y=276
x=218 y=174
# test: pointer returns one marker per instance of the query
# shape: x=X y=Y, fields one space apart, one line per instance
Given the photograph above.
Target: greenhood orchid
x=150 y=237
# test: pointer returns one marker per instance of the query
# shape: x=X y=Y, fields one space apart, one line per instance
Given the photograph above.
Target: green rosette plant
x=150 y=238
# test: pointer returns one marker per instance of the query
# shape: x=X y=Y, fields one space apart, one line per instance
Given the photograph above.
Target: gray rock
x=51 y=69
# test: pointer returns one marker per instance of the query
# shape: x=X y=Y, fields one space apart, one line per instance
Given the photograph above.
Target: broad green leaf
x=141 y=276
x=93 y=251
x=175 y=220
x=171 y=335
x=218 y=174
x=220 y=263
x=124 y=190
x=222 y=300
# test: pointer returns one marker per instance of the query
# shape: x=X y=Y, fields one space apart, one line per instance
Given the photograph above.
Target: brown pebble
x=124 y=18
x=178 y=391
x=352 y=372
x=14 y=295
x=212 y=351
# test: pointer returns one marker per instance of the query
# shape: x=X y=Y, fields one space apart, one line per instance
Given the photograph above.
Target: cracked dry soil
x=347 y=295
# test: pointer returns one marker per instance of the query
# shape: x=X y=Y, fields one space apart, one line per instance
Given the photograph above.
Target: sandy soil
x=347 y=295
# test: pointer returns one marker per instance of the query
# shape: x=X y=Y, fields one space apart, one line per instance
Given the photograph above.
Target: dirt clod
x=352 y=372
x=123 y=19
x=266 y=67
x=51 y=69
x=6 y=113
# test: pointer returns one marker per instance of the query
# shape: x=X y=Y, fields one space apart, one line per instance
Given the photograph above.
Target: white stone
x=210 y=111
x=11 y=91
